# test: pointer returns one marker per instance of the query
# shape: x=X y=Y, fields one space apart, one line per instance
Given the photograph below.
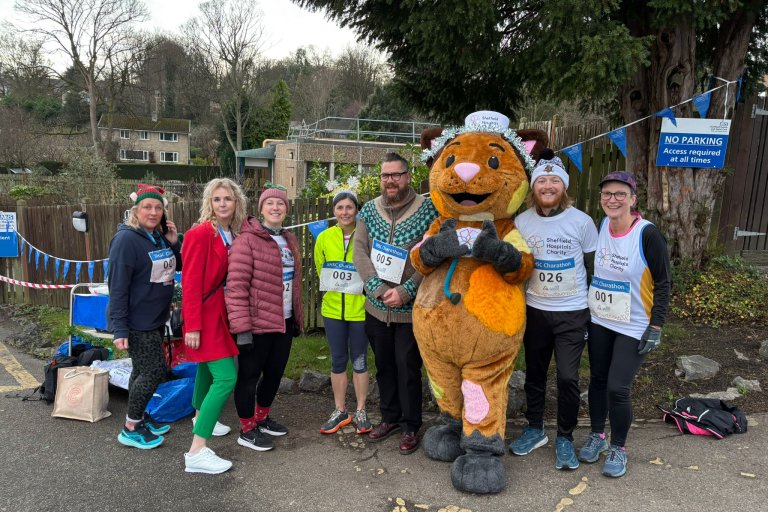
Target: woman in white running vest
x=628 y=300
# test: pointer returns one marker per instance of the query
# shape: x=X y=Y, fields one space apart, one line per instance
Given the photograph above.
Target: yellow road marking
x=17 y=371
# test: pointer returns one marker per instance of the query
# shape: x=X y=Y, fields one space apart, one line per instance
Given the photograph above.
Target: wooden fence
x=49 y=229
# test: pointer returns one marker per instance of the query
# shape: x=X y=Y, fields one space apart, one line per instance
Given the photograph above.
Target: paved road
x=51 y=464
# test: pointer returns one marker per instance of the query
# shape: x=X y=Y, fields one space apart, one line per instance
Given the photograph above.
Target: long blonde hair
x=206 y=209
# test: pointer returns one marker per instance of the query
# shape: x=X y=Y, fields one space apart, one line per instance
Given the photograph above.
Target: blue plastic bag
x=172 y=400
x=78 y=346
x=185 y=370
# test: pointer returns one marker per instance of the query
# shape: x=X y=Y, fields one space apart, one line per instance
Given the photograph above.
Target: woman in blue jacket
x=143 y=257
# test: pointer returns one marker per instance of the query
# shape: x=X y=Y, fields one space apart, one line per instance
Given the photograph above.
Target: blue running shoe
x=615 y=464
x=153 y=426
x=593 y=447
x=140 y=437
x=565 y=455
x=531 y=439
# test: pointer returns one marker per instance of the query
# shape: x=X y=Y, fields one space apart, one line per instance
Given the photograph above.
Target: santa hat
x=145 y=191
x=549 y=165
x=271 y=190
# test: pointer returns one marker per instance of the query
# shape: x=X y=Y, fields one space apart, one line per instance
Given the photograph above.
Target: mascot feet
x=480 y=473
x=442 y=442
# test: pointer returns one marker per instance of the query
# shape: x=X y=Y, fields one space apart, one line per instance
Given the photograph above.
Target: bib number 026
x=549 y=277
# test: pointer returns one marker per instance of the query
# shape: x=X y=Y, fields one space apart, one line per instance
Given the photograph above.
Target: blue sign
x=9 y=240
x=700 y=143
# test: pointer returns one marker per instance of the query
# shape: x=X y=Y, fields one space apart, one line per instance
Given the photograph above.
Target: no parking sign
x=9 y=244
x=693 y=143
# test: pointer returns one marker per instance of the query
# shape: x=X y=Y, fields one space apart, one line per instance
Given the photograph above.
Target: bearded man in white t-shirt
x=563 y=240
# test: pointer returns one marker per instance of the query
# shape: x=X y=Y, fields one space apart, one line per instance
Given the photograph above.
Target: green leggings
x=214 y=382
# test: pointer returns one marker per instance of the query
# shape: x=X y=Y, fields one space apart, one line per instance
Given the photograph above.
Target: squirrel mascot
x=469 y=313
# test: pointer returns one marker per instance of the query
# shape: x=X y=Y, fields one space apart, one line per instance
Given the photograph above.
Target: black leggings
x=266 y=358
x=149 y=369
x=613 y=364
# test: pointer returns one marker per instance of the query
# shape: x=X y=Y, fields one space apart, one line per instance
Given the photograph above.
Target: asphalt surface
x=49 y=464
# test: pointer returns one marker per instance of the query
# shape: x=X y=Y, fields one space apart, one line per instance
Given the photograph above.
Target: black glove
x=444 y=245
x=488 y=247
x=650 y=340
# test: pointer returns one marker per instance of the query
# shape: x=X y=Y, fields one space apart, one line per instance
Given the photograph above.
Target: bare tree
x=92 y=33
x=226 y=41
x=23 y=68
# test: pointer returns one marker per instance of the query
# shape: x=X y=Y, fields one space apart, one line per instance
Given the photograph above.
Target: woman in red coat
x=206 y=328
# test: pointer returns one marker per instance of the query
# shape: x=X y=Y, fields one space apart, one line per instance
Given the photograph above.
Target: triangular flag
x=738 y=91
x=701 y=102
x=574 y=153
x=37 y=259
x=105 y=264
x=619 y=137
x=66 y=269
x=58 y=261
x=78 y=266
x=667 y=112
x=91 y=264
x=45 y=262
x=29 y=254
x=318 y=227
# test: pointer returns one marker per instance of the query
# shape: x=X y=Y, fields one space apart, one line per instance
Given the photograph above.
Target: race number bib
x=288 y=287
x=554 y=278
x=340 y=276
x=163 y=266
x=610 y=300
x=389 y=261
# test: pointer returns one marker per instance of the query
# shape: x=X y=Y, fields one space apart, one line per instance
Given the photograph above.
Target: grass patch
x=312 y=353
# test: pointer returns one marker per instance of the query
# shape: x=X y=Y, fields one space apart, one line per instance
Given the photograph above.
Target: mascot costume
x=469 y=313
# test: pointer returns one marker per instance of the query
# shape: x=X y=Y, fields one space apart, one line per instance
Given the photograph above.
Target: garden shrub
x=726 y=291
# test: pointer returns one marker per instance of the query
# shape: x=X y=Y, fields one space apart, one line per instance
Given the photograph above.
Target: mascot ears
x=534 y=141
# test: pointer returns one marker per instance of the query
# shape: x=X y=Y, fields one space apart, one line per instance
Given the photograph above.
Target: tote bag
x=82 y=394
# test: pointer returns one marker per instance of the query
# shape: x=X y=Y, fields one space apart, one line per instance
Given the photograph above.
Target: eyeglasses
x=394 y=176
x=620 y=196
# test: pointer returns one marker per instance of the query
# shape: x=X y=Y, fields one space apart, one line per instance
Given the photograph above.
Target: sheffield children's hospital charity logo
x=603 y=256
x=535 y=243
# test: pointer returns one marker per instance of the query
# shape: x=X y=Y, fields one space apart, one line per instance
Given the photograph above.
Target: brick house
x=147 y=139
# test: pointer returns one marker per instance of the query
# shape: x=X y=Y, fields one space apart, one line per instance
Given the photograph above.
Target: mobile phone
x=164 y=224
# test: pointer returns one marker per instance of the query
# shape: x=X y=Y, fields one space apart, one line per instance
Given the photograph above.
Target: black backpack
x=47 y=389
x=705 y=417
x=91 y=355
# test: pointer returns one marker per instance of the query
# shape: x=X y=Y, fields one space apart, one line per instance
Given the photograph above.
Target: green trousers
x=214 y=382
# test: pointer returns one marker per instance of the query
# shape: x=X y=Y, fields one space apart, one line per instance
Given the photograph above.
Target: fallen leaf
x=380 y=471
x=578 y=489
x=748 y=475
x=657 y=461
x=422 y=506
x=695 y=468
x=400 y=501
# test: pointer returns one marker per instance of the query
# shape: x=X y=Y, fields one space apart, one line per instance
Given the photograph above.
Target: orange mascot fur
x=469 y=314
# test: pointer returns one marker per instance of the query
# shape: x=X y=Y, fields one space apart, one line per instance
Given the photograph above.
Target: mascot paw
x=441 y=442
x=445 y=245
x=480 y=473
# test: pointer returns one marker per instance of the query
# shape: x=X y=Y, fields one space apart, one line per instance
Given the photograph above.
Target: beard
x=399 y=196
x=547 y=201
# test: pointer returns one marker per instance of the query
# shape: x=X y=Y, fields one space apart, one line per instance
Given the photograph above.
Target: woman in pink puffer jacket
x=265 y=312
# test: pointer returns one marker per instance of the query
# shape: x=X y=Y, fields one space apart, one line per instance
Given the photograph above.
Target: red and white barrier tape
x=34 y=285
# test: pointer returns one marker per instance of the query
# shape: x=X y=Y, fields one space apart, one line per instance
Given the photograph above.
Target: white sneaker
x=205 y=461
x=219 y=429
